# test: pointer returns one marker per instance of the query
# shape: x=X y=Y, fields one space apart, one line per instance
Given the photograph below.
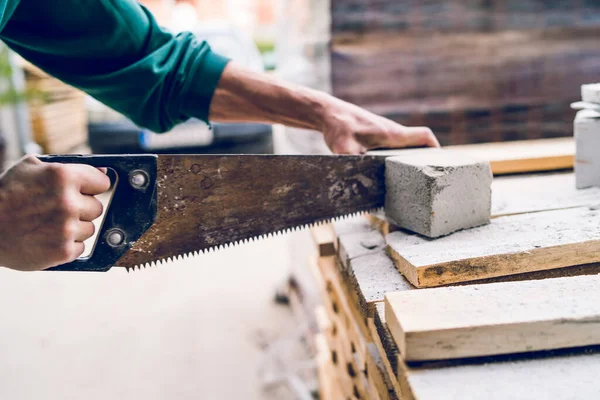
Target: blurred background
x=472 y=70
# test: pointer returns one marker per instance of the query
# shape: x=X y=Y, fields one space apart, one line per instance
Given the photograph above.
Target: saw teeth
x=208 y=250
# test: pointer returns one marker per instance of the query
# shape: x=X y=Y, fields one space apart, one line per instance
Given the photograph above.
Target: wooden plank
x=330 y=269
x=509 y=245
x=341 y=359
x=524 y=156
x=324 y=238
x=329 y=384
x=346 y=367
x=356 y=238
x=370 y=276
x=369 y=272
x=377 y=374
x=343 y=317
x=520 y=194
x=556 y=374
x=395 y=366
x=497 y=318
x=515 y=156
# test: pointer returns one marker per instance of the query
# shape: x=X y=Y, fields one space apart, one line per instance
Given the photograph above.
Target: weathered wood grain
x=457 y=15
x=497 y=318
x=521 y=194
x=356 y=238
x=369 y=276
x=329 y=385
x=512 y=157
x=524 y=156
x=556 y=374
x=377 y=374
x=354 y=323
x=509 y=245
x=451 y=82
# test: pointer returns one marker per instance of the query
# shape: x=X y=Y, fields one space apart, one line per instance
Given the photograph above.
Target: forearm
x=245 y=96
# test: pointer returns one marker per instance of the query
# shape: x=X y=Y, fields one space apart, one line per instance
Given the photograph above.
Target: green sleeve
x=115 y=51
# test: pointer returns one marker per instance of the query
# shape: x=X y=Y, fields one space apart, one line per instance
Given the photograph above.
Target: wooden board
x=369 y=273
x=377 y=375
x=329 y=385
x=324 y=239
x=520 y=194
x=369 y=276
x=497 y=318
x=356 y=238
x=348 y=367
x=509 y=245
x=513 y=157
x=358 y=332
x=524 y=156
x=557 y=374
x=394 y=365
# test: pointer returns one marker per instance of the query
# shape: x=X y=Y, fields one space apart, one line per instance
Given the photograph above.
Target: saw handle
x=130 y=212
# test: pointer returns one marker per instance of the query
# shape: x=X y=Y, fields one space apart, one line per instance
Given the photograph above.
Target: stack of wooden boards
x=521 y=318
x=512 y=66
x=58 y=117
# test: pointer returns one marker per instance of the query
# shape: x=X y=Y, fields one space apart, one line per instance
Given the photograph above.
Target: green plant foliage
x=8 y=94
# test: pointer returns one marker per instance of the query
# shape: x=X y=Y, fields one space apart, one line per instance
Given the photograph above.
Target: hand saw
x=169 y=206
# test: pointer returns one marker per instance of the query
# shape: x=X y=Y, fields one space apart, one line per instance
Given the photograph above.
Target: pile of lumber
x=509 y=310
x=58 y=113
x=512 y=66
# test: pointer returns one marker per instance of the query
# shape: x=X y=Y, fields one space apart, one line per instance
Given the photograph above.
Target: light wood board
x=324 y=239
x=377 y=375
x=514 y=156
x=524 y=156
x=352 y=320
x=509 y=245
x=369 y=275
x=497 y=318
x=556 y=374
x=520 y=194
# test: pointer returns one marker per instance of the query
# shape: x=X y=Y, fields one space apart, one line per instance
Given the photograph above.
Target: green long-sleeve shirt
x=115 y=51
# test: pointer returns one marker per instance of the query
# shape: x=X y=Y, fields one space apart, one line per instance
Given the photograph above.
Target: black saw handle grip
x=131 y=211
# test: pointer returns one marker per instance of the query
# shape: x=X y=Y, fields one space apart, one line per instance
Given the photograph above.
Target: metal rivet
x=115 y=237
x=138 y=179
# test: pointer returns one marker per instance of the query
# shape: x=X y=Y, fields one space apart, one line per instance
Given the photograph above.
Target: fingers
x=348 y=146
x=85 y=230
x=76 y=251
x=92 y=181
x=90 y=208
x=421 y=136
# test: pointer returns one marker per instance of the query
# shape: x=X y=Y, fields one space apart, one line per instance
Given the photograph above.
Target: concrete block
x=591 y=93
x=587 y=149
x=437 y=192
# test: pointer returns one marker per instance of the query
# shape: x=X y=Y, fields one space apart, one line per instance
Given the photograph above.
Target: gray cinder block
x=437 y=192
x=587 y=145
x=590 y=93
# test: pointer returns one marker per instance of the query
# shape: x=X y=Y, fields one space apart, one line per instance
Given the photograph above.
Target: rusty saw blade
x=167 y=206
x=207 y=201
